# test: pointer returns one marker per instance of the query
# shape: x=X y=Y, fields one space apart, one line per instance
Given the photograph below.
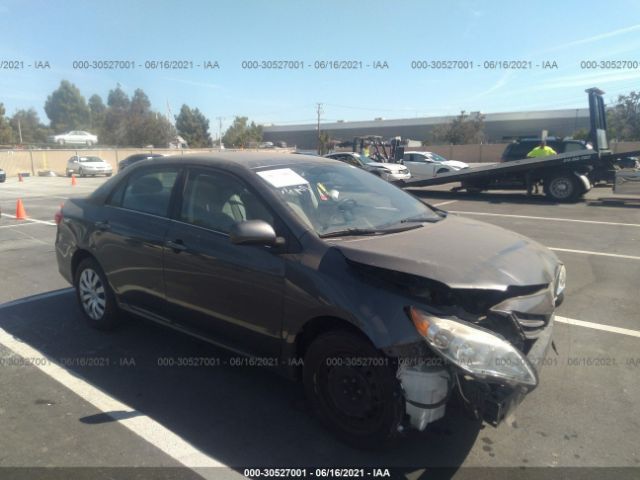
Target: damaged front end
x=484 y=346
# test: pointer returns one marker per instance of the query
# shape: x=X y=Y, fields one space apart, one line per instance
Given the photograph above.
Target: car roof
x=249 y=160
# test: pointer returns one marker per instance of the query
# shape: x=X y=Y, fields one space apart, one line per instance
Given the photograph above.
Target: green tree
x=461 y=130
x=140 y=120
x=115 y=130
x=581 y=134
x=324 y=143
x=193 y=126
x=241 y=133
x=26 y=124
x=97 y=111
x=623 y=118
x=6 y=132
x=67 y=108
x=159 y=130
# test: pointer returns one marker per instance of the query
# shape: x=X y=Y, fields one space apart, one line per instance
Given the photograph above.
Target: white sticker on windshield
x=282 y=177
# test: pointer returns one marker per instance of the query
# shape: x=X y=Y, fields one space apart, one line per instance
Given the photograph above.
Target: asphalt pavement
x=81 y=398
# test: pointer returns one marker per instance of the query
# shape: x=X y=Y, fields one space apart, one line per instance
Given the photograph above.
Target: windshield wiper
x=366 y=231
x=421 y=219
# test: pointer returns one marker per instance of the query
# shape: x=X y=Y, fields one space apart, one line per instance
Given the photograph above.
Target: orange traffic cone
x=20 y=212
x=73 y=180
x=20 y=177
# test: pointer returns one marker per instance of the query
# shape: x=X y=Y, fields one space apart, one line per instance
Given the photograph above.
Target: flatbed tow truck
x=564 y=177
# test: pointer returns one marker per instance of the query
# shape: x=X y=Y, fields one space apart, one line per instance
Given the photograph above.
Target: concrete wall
x=33 y=161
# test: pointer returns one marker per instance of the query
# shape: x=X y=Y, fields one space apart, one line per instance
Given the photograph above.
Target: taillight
x=58 y=215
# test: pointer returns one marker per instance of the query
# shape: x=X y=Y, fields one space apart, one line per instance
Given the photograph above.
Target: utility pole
x=319 y=112
x=20 y=131
x=220 y=132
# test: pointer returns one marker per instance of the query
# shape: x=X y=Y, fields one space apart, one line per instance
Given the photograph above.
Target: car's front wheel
x=95 y=296
x=353 y=389
x=81 y=172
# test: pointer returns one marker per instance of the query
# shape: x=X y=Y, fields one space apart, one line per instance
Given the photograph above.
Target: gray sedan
x=384 y=307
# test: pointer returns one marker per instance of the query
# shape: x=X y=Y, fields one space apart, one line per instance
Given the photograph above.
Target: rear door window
x=147 y=191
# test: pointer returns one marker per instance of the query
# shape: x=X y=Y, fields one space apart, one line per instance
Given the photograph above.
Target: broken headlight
x=476 y=351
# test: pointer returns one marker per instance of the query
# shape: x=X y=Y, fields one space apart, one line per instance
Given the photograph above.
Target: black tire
x=69 y=173
x=363 y=405
x=96 y=299
x=562 y=187
x=108 y=174
x=81 y=173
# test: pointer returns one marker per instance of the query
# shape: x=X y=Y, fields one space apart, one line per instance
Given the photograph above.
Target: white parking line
x=444 y=203
x=587 y=252
x=595 y=222
x=32 y=220
x=139 y=423
x=598 y=326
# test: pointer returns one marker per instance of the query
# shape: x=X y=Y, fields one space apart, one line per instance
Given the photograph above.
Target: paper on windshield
x=282 y=177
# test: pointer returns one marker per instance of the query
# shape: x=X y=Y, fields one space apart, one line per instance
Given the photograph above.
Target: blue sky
x=394 y=31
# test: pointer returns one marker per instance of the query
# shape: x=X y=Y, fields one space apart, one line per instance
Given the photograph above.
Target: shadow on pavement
x=240 y=416
x=615 y=202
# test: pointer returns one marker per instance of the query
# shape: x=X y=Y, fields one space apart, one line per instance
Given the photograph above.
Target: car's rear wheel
x=96 y=299
x=353 y=389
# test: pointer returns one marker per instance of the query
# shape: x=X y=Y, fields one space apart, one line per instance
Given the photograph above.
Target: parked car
x=429 y=164
x=88 y=165
x=392 y=172
x=3 y=176
x=136 y=157
x=383 y=306
x=518 y=149
x=76 y=137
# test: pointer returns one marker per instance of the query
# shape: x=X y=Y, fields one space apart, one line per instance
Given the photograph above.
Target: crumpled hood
x=459 y=252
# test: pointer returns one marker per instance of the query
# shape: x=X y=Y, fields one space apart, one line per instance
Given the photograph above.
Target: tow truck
x=563 y=178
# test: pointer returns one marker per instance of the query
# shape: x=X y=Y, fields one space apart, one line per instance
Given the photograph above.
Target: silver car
x=77 y=137
x=429 y=164
x=88 y=165
x=391 y=172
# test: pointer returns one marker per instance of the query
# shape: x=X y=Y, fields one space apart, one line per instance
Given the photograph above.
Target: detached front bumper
x=493 y=402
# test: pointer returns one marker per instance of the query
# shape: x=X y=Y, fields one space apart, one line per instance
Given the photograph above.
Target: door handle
x=102 y=226
x=176 y=245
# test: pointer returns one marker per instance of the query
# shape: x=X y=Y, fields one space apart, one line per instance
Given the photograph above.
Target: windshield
x=343 y=198
x=436 y=157
x=364 y=159
x=90 y=159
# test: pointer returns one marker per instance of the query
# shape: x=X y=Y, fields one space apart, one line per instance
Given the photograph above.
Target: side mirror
x=254 y=232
